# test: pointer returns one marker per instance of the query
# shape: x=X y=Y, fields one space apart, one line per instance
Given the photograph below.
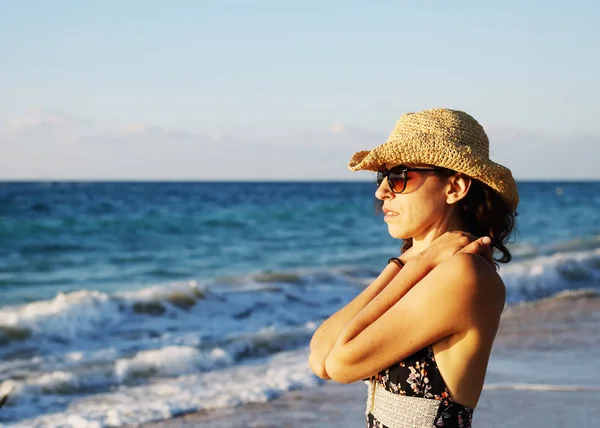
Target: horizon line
x=247 y=180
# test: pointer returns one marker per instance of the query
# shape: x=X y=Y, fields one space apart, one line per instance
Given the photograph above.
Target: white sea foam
x=67 y=316
x=44 y=388
x=170 y=361
x=545 y=275
x=166 y=398
x=218 y=310
x=154 y=353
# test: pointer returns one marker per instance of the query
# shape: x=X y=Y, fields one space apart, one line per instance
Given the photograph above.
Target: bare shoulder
x=475 y=279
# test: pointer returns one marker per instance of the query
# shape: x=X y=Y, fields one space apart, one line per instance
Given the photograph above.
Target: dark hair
x=485 y=213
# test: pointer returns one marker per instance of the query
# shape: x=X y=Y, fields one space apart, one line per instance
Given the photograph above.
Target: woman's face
x=425 y=205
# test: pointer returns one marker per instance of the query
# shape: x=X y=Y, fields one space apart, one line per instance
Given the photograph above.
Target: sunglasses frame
x=400 y=170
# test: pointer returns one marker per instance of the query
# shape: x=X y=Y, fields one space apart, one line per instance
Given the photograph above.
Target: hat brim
x=459 y=159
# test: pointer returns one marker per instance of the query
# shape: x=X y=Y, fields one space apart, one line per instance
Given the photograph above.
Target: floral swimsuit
x=418 y=376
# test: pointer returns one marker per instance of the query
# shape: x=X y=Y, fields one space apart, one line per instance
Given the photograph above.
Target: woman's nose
x=383 y=191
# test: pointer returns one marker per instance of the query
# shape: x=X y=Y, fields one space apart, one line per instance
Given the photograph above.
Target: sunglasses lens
x=397 y=181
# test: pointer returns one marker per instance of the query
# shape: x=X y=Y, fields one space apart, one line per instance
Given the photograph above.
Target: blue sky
x=288 y=90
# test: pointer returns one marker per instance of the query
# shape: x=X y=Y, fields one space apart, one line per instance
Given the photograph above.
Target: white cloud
x=337 y=129
x=42 y=119
x=45 y=144
x=59 y=146
x=134 y=128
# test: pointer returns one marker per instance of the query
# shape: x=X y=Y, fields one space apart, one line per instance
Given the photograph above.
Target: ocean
x=124 y=303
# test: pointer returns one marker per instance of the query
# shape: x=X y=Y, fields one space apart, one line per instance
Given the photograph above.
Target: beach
x=544 y=372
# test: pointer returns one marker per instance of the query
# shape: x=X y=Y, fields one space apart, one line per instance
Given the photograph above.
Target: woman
x=421 y=334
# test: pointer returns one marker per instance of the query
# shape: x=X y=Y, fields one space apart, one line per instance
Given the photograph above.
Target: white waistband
x=400 y=411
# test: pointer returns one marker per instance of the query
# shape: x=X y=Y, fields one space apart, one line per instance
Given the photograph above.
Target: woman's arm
x=462 y=293
x=327 y=334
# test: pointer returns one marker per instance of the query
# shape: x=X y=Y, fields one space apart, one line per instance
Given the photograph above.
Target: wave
x=527 y=250
x=9 y=334
x=164 y=398
x=91 y=314
x=89 y=343
x=81 y=376
x=544 y=276
x=577 y=244
x=307 y=295
x=289 y=277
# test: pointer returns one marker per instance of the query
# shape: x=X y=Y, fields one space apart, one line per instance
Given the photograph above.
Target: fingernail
x=486 y=240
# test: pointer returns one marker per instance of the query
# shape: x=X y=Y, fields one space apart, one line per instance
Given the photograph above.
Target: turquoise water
x=118 y=292
x=109 y=236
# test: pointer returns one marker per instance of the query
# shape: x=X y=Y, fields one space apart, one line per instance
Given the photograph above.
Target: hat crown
x=441 y=126
x=445 y=138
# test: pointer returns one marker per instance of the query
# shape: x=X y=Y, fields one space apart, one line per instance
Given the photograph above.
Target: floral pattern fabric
x=419 y=376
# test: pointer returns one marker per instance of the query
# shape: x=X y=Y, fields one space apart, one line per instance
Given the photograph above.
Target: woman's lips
x=389 y=213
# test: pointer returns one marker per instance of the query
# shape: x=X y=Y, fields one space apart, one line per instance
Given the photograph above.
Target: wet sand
x=544 y=372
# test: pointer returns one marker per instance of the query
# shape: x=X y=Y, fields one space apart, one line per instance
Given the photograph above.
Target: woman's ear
x=458 y=187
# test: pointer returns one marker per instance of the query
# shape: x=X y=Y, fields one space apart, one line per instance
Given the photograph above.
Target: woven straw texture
x=400 y=411
x=445 y=138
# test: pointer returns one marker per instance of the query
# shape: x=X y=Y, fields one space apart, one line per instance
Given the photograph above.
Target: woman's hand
x=451 y=243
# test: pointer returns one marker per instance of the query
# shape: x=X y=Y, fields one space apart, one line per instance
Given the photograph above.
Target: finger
x=478 y=246
x=482 y=248
x=486 y=251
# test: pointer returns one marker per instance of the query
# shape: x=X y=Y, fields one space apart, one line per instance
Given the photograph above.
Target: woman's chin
x=398 y=232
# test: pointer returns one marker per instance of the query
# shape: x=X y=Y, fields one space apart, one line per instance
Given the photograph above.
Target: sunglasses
x=397 y=176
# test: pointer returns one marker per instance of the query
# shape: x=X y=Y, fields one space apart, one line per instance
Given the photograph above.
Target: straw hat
x=441 y=137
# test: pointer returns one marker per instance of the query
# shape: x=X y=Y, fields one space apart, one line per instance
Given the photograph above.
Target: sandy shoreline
x=544 y=372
